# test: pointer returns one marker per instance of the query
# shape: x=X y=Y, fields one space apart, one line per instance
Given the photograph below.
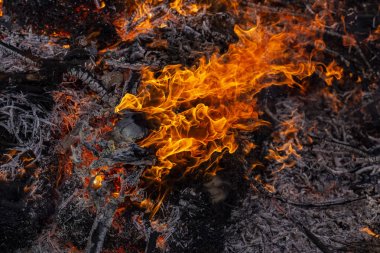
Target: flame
x=143 y=16
x=184 y=9
x=147 y=204
x=161 y=243
x=370 y=232
x=287 y=144
x=375 y=35
x=61 y=34
x=146 y=15
x=1 y=8
x=270 y=188
x=69 y=113
x=201 y=109
x=26 y=161
x=97 y=182
x=99 y=4
x=8 y=156
x=142 y=13
x=333 y=71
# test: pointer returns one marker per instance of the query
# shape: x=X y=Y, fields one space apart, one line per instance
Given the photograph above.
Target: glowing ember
x=97 y=183
x=161 y=243
x=60 y=34
x=375 y=35
x=201 y=109
x=99 y=4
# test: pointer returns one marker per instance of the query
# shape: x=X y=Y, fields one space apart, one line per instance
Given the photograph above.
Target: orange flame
x=146 y=16
x=375 y=35
x=150 y=14
x=26 y=162
x=370 y=232
x=97 y=182
x=287 y=143
x=184 y=9
x=201 y=109
x=161 y=243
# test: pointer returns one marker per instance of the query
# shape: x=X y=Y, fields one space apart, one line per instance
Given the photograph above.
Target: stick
x=336 y=202
x=313 y=238
x=372 y=159
x=100 y=227
x=9 y=49
x=103 y=221
x=357 y=48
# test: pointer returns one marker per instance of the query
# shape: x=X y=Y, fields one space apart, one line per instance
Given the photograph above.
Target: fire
x=333 y=71
x=370 y=232
x=25 y=161
x=200 y=110
x=161 y=243
x=99 y=4
x=69 y=115
x=60 y=34
x=146 y=15
x=143 y=16
x=97 y=183
x=141 y=22
x=1 y=8
x=185 y=10
x=270 y=188
x=375 y=35
x=286 y=142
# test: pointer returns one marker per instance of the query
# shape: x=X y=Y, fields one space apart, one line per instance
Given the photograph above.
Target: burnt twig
x=336 y=202
x=9 y=49
x=103 y=222
x=312 y=237
x=93 y=84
